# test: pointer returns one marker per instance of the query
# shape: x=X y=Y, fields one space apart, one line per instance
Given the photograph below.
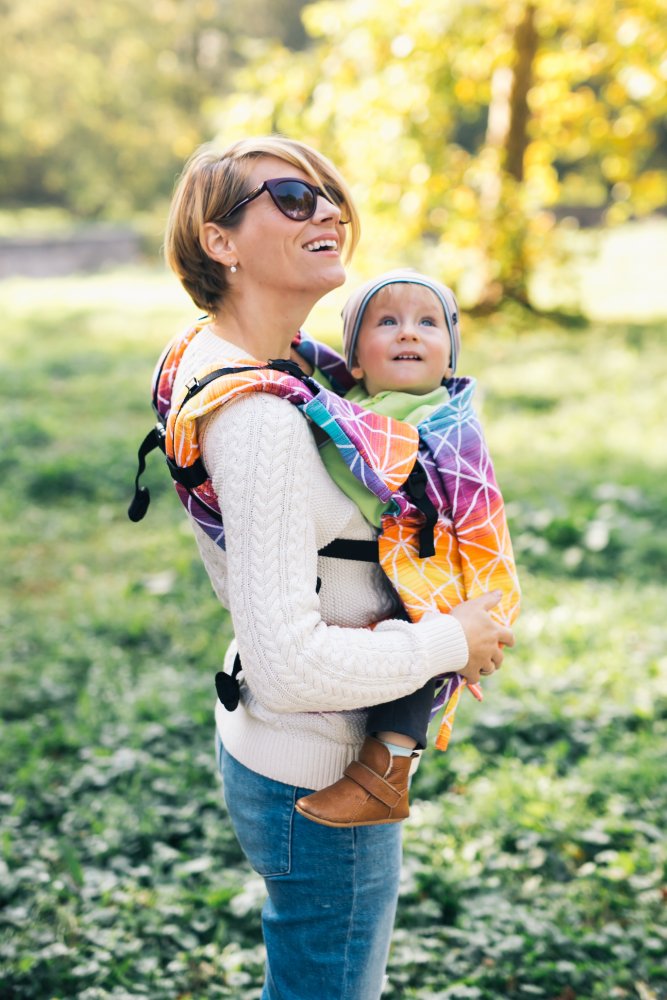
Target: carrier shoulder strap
x=194 y=475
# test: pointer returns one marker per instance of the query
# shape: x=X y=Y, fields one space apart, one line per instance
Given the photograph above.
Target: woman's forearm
x=260 y=454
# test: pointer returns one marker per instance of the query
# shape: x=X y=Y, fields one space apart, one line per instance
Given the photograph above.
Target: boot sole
x=347 y=826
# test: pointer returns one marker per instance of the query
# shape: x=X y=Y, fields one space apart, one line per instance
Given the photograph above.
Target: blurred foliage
x=103 y=101
x=465 y=126
x=535 y=861
x=468 y=129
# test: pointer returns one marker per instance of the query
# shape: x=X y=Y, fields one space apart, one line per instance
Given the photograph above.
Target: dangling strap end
x=142 y=498
x=228 y=687
x=139 y=505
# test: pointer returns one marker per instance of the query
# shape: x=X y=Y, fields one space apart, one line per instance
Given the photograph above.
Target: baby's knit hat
x=355 y=307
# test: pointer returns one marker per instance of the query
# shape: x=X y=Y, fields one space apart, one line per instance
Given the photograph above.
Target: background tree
x=102 y=100
x=470 y=129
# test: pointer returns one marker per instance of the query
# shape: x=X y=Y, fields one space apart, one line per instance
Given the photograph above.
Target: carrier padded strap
x=195 y=385
x=373 y=783
x=195 y=475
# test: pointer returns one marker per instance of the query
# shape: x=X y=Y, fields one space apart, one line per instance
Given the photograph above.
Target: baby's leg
x=396 y=741
x=403 y=722
x=374 y=788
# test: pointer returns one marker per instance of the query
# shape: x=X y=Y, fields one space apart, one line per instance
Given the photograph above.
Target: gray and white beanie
x=355 y=307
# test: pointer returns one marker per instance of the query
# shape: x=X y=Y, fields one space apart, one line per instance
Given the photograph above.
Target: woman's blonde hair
x=212 y=182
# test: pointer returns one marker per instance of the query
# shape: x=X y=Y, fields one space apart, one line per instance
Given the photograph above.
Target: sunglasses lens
x=294 y=199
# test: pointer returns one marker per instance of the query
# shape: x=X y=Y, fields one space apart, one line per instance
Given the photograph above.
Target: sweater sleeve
x=260 y=454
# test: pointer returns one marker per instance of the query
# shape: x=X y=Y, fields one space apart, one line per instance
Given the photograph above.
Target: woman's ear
x=217 y=244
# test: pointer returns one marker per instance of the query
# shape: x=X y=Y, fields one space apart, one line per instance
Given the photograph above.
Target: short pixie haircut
x=212 y=182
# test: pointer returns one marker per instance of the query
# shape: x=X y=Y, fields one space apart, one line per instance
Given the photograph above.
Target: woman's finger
x=505 y=635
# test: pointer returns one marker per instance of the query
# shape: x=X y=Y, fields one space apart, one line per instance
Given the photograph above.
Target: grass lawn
x=535 y=857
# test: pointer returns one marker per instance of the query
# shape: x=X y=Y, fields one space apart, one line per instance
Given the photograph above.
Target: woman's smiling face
x=404 y=342
x=281 y=254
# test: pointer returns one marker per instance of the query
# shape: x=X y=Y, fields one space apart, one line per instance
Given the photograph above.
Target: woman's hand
x=485 y=637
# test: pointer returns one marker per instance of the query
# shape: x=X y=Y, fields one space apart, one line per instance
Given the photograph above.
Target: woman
x=256 y=234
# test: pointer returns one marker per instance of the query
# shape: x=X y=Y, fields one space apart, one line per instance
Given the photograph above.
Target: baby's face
x=403 y=341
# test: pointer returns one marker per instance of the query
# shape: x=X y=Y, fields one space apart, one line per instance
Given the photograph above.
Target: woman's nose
x=326 y=211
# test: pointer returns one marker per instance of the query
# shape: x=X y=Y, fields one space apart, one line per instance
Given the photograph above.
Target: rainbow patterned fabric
x=473 y=549
x=473 y=552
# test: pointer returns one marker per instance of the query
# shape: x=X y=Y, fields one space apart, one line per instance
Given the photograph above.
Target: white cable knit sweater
x=310 y=665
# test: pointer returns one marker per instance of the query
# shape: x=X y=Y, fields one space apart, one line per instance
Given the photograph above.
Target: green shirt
x=406 y=406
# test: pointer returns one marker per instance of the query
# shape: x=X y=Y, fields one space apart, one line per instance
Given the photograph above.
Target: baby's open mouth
x=407 y=357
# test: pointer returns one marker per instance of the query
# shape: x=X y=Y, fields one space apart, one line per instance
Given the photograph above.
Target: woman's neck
x=263 y=325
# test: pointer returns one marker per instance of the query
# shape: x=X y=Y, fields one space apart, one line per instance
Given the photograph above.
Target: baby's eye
x=387 y=321
x=427 y=321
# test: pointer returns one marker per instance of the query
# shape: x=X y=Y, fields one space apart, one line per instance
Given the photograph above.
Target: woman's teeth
x=320 y=245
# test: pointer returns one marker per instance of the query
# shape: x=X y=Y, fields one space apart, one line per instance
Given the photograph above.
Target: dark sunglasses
x=295 y=198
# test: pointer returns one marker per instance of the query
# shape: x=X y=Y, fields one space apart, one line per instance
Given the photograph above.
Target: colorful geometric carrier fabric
x=473 y=552
x=473 y=549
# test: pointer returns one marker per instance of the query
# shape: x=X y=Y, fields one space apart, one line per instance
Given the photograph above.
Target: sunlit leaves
x=390 y=89
x=103 y=101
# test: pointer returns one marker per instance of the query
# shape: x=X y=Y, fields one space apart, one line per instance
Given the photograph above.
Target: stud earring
x=233 y=269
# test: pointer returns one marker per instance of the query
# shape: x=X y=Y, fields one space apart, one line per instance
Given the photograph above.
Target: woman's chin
x=334 y=274
x=329 y=278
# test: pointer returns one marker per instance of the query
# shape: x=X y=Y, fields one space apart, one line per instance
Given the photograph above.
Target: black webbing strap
x=195 y=385
x=191 y=476
x=416 y=487
x=141 y=499
x=352 y=548
x=293 y=369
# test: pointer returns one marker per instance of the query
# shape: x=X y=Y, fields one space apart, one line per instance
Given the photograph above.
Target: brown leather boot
x=374 y=789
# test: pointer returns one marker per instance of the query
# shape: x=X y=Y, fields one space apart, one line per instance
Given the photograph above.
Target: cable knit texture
x=310 y=663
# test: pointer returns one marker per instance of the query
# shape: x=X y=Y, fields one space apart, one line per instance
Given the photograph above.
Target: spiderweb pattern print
x=329 y=362
x=473 y=551
x=379 y=450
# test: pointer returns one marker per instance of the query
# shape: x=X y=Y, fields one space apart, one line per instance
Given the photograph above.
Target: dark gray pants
x=409 y=716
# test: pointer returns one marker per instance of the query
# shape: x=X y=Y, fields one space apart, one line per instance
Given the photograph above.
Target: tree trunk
x=525 y=48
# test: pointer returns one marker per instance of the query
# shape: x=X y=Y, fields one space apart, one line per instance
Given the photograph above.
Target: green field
x=535 y=856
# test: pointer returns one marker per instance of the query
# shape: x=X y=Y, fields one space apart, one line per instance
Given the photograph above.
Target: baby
x=401 y=341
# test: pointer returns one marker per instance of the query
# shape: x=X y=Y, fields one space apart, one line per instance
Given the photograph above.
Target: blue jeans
x=332 y=892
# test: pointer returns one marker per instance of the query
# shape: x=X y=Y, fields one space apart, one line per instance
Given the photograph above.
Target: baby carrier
x=440 y=468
